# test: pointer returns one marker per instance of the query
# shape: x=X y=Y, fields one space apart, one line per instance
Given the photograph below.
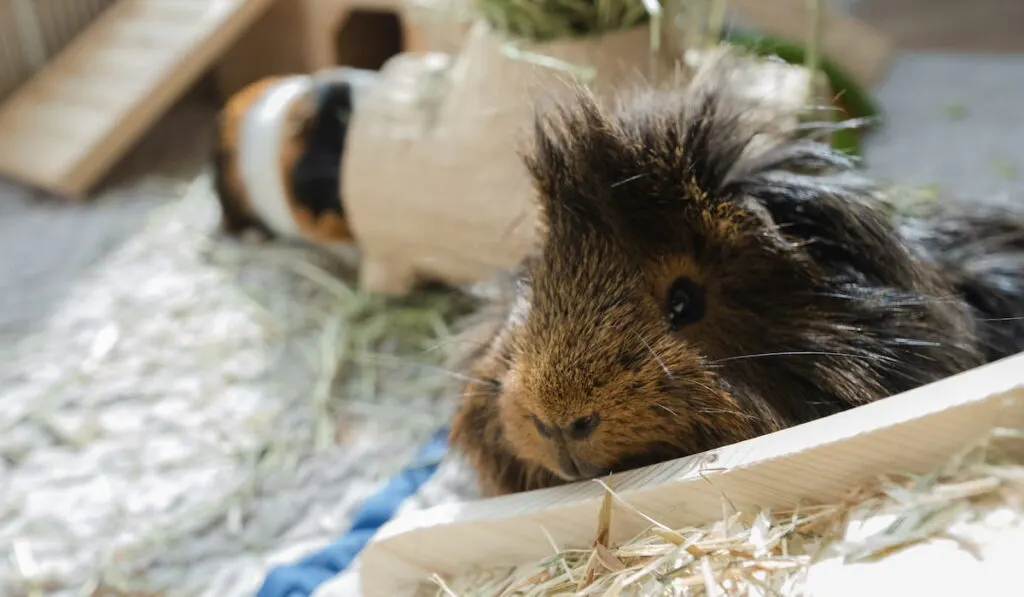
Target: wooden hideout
x=304 y=36
x=817 y=462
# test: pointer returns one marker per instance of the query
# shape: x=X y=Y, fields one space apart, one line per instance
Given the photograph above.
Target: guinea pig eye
x=685 y=303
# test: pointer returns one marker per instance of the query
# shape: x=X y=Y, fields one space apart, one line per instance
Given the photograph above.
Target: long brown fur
x=816 y=301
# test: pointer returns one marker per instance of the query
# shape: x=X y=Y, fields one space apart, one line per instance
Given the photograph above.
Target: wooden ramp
x=68 y=125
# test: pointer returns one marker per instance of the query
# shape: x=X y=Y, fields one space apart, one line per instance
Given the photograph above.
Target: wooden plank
x=863 y=51
x=101 y=69
x=25 y=154
x=949 y=25
x=91 y=90
x=68 y=121
x=913 y=432
x=161 y=44
x=107 y=78
x=59 y=22
x=150 y=36
x=218 y=28
x=118 y=61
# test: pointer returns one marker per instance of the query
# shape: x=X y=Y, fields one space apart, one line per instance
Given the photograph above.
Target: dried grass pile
x=774 y=553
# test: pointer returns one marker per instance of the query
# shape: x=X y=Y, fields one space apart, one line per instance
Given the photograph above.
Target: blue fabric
x=301 y=579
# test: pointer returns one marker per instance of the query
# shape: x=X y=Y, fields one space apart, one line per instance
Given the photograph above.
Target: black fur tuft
x=316 y=177
x=979 y=248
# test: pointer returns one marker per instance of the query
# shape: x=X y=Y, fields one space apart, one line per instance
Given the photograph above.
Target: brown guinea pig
x=703 y=279
x=277 y=163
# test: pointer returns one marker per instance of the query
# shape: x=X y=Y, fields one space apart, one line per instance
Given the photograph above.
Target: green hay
x=548 y=20
x=367 y=337
x=685 y=24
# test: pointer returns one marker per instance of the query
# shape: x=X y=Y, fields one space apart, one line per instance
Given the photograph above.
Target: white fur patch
x=264 y=131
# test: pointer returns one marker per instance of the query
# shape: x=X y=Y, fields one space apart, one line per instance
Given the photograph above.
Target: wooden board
x=949 y=25
x=913 y=432
x=861 y=49
x=295 y=36
x=67 y=126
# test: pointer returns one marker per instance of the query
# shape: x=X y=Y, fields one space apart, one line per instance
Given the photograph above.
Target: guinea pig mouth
x=574 y=469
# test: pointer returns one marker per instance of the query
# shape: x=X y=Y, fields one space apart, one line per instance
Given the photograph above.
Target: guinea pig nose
x=574 y=469
x=582 y=427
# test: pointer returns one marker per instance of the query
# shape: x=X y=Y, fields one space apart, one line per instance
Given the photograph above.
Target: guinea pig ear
x=659 y=163
x=571 y=141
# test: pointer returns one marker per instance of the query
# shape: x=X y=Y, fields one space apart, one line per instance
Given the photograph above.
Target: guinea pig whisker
x=452 y=340
x=914 y=342
x=803 y=353
x=1002 y=319
x=660 y=362
x=822 y=108
x=684 y=383
x=700 y=384
x=726 y=411
x=629 y=180
x=663 y=407
x=438 y=369
x=850 y=123
x=465 y=342
x=915 y=301
x=478 y=394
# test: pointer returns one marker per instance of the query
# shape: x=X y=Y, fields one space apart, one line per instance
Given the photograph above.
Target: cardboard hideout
x=818 y=462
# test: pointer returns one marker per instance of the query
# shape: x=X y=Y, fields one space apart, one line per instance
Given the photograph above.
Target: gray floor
x=955 y=121
x=46 y=243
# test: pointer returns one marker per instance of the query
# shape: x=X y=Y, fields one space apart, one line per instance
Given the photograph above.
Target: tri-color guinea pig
x=278 y=156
